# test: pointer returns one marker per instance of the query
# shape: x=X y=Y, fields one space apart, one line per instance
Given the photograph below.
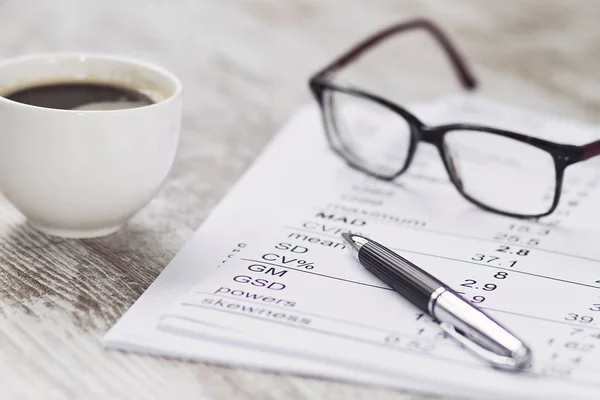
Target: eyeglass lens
x=501 y=173
x=369 y=134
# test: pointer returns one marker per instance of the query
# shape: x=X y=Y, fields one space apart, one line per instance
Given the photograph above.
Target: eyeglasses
x=500 y=171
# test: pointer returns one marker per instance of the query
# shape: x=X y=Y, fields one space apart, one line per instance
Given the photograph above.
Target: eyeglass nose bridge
x=433 y=135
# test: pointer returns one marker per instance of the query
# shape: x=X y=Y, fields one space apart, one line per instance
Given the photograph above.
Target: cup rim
x=99 y=56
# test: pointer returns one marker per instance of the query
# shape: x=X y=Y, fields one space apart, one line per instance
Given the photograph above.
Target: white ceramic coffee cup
x=76 y=173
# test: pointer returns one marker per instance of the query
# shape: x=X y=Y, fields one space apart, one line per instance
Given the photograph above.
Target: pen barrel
x=404 y=277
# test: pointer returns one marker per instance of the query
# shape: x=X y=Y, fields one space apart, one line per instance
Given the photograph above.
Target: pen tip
x=522 y=358
x=355 y=242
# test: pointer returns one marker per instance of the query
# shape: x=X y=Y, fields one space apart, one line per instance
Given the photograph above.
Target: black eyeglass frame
x=322 y=86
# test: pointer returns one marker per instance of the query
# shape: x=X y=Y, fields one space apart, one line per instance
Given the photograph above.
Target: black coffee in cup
x=80 y=96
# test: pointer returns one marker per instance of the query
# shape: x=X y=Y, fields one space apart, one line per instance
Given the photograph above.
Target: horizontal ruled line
x=482 y=265
x=380 y=287
x=336 y=334
x=300 y=312
x=582 y=326
x=463 y=363
x=313 y=232
x=318 y=274
x=464 y=236
x=501 y=268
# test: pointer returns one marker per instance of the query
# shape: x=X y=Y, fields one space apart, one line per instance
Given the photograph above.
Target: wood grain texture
x=244 y=65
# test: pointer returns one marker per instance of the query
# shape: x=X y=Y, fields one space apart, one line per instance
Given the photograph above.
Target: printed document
x=268 y=283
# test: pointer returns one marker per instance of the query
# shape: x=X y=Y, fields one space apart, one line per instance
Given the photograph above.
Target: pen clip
x=497 y=360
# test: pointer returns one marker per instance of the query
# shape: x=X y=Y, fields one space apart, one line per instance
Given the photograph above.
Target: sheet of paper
x=307 y=297
x=512 y=268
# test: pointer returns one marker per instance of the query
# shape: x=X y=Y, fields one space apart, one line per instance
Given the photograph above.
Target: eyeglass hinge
x=563 y=158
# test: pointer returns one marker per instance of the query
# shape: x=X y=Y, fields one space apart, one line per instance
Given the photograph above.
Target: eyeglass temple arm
x=458 y=62
x=591 y=150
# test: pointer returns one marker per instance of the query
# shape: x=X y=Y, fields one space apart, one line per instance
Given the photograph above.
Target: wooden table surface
x=244 y=65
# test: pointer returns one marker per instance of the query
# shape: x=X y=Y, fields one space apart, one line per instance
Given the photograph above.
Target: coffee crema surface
x=80 y=96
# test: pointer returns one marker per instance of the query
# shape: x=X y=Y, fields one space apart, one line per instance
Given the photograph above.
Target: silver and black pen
x=471 y=327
